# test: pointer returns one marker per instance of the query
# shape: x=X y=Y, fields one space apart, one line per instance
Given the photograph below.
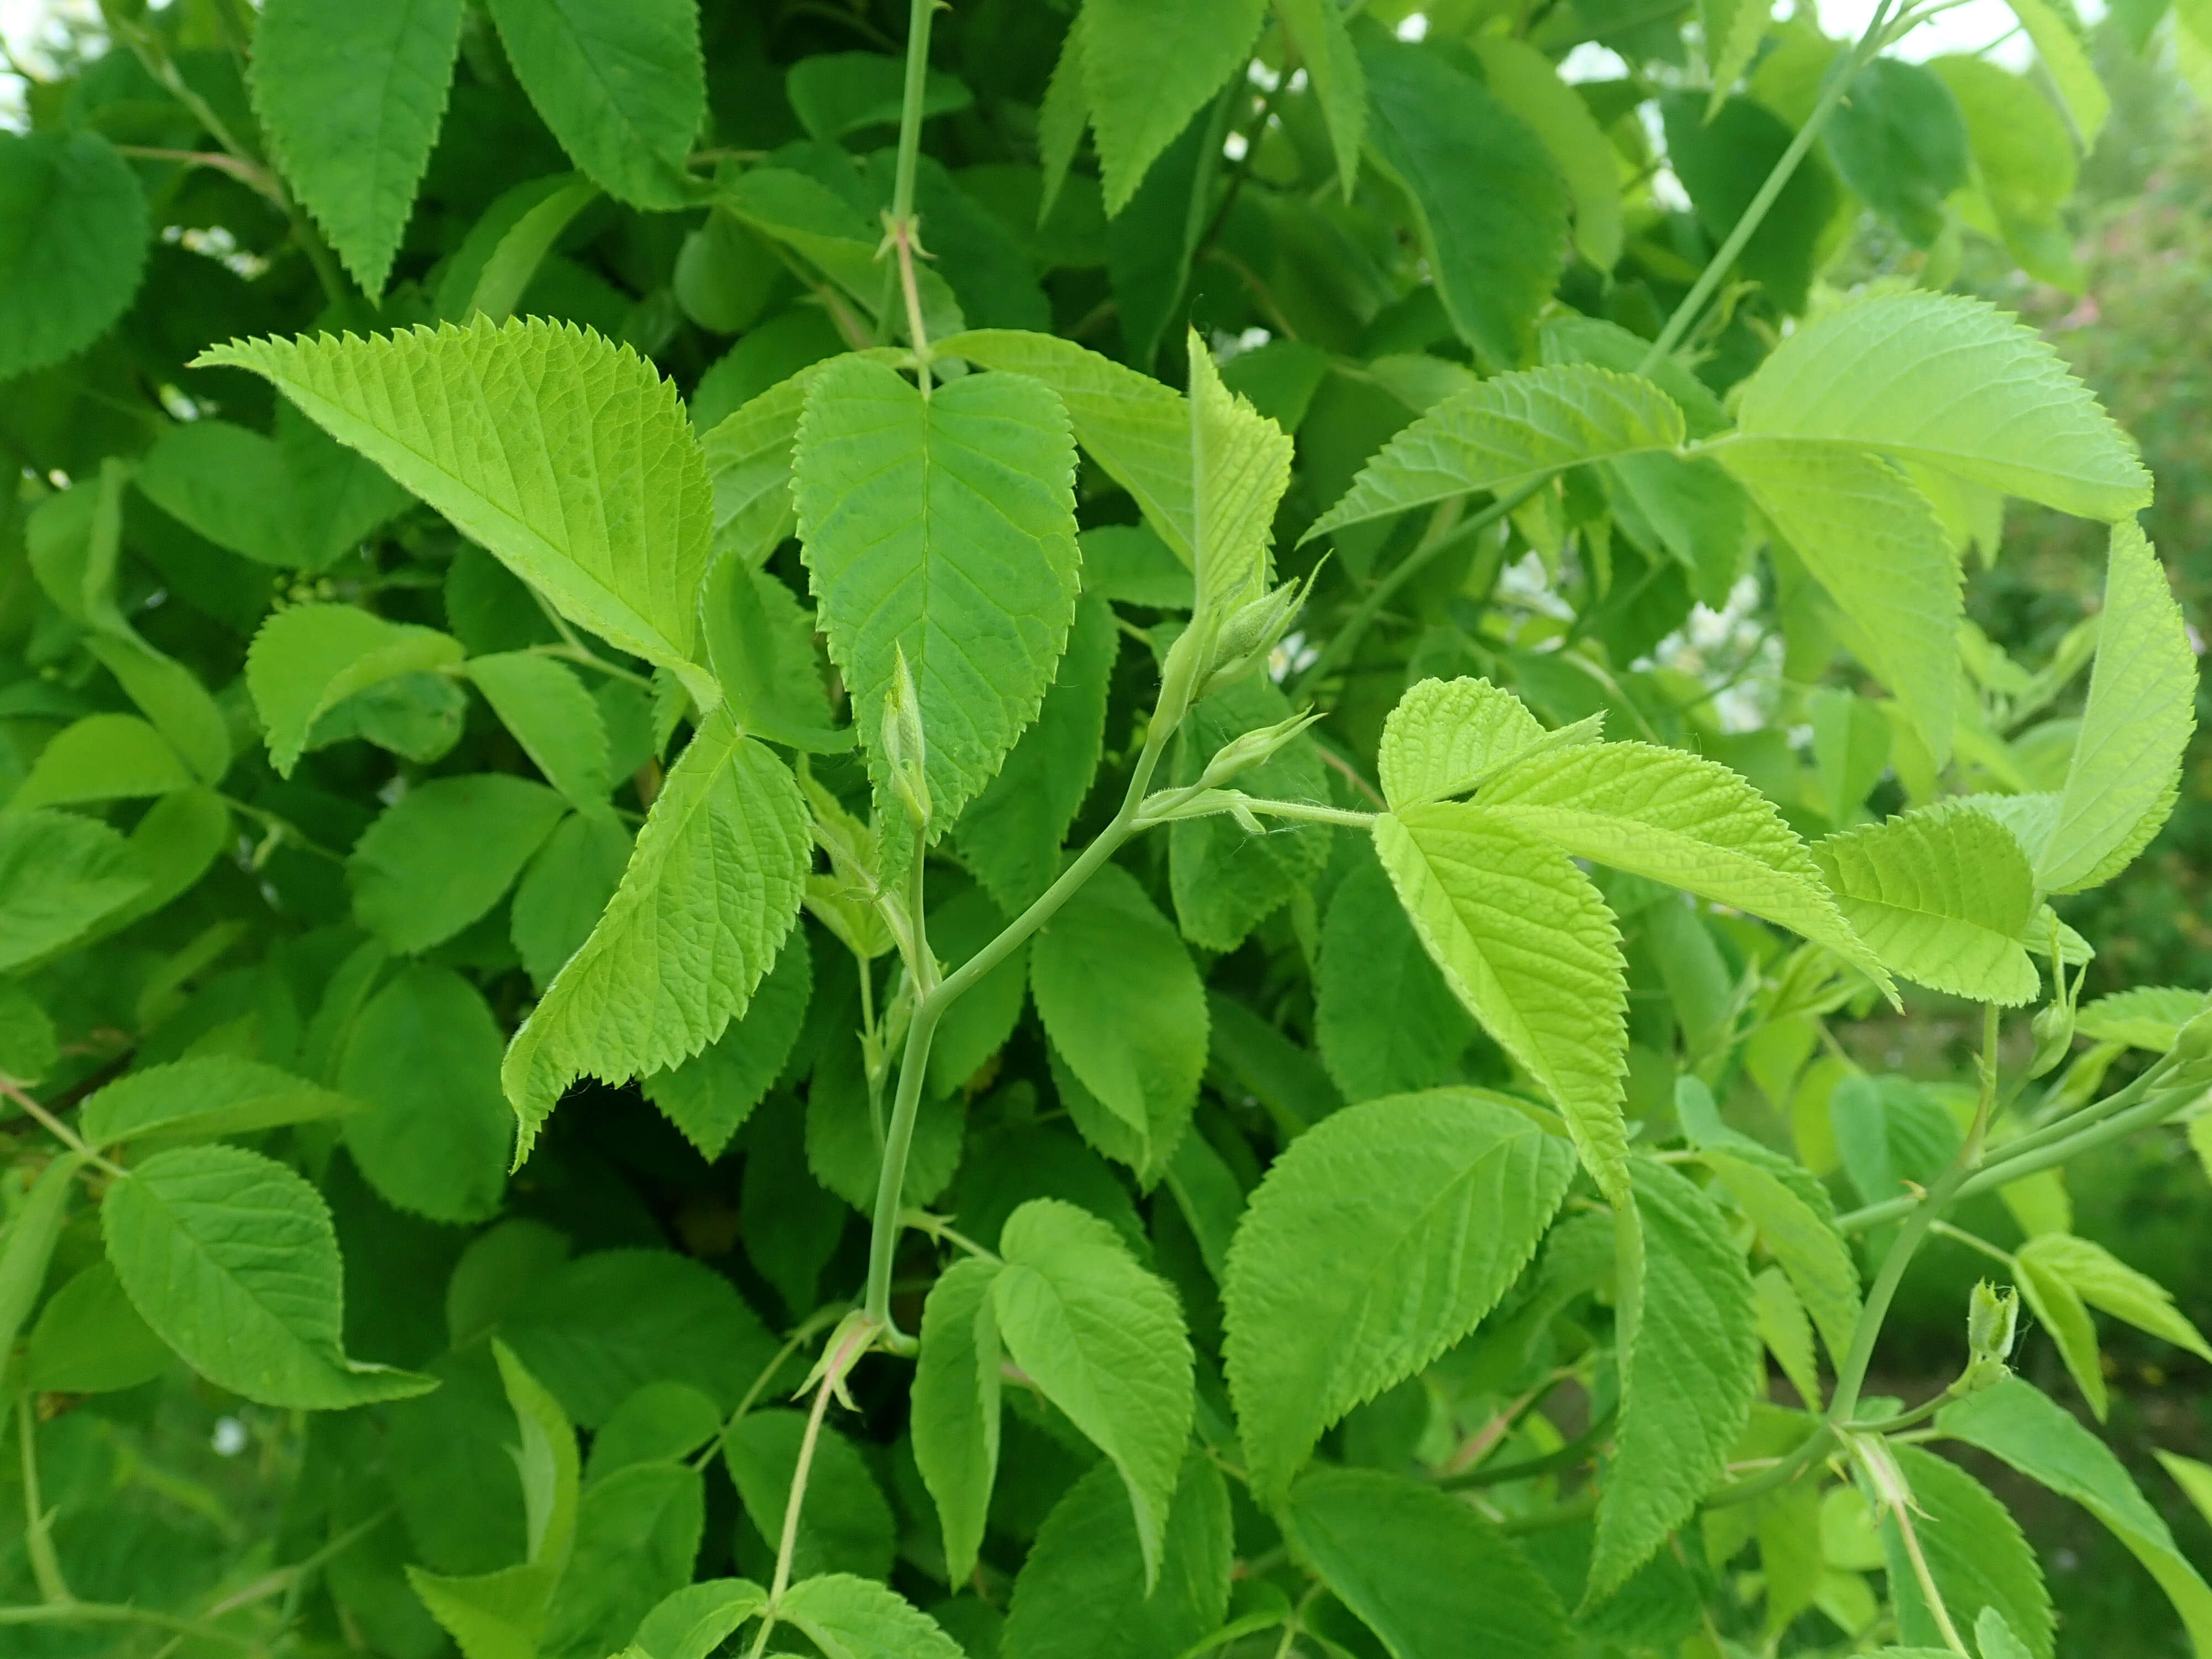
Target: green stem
x=1769 y=192
x=920 y=15
x=1809 y=1450
x=857 y=1342
x=38 y=1543
x=1528 y=1468
x=105 y=1613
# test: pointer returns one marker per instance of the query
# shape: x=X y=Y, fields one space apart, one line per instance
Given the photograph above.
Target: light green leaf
x=1508 y=433
x=1488 y=204
x=1147 y=67
x=2106 y=1283
x=1733 y=32
x=1681 y=819
x=563 y=894
x=1133 y=427
x=748 y=463
x=1377 y=1240
x=1523 y=80
x=231 y=1257
x=202 y=1098
x=844 y=1525
x=423 y=1060
x=1995 y=1637
x=77 y=244
x=89 y=1340
x=1689 y=1369
x=1125 y=1008
x=2064 y=46
x=1082 y=1592
x=1104 y=1340
x=60 y=875
x=637 y=1539
x=568 y=458
x=27 y=1248
x=1240 y=464
x=1062 y=119
x=493 y=1615
x=850 y=1618
x=1446 y=736
x=306 y=660
x=945 y=528
x=2148 y=1017
x=445 y=853
x=101 y=757
x=352 y=94
x=1873 y=542
x=1943 y=895
x=2013 y=1422
x=955 y=1411
x=620 y=82
x=709 y=1096
x=1955 y=383
x=693 y=1622
x=1011 y=834
x=1317 y=32
x=2126 y=766
x=2195 y=1479
x=2058 y=1308
x=554 y=719
x=1796 y=1220
x=1423 y=1571
x=1528 y=946
x=761 y=640
x=515 y=235
x=712 y=886
x=1981 y=1563
x=1786 y=1330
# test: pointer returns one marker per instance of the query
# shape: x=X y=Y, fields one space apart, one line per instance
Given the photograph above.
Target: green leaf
x=1385 y=1020
x=1722 y=157
x=554 y=719
x=956 y=1406
x=1733 y=30
x=28 y=1247
x=1104 y=1340
x=512 y=241
x=1508 y=433
x=850 y=1618
x=1900 y=142
x=1981 y=1563
x=563 y=894
x=101 y=757
x=1528 y=946
x=1681 y=819
x=1422 y=1569
x=231 y=1258
x=306 y=660
x=975 y=1027
x=661 y=1423
x=761 y=641
x=1953 y=383
x=836 y=93
x=1995 y=1637
x=1317 y=32
x=29 y=1045
x=1943 y=895
x=748 y=456
x=2013 y=1422
x=89 y=1340
x=598 y=1329
x=1224 y=879
x=1488 y=204
x=1125 y=1008
x=1783 y=1327
x=1148 y=66
x=1376 y=1241
x=203 y=1098
x=569 y=459
x=423 y=1059
x=943 y=527
x=298 y=500
x=709 y=1096
x=1873 y=542
x=2106 y=1283
x=1011 y=834
x=351 y=96
x=1523 y=80
x=60 y=875
x=2058 y=1308
x=445 y=853
x=1136 y=429
x=2148 y=1017
x=1083 y=1593
x=844 y=1525
x=1240 y=464
x=2126 y=766
x=1446 y=736
x=637 y=1538
x=694 y=1621
x=620 y=82
x=1796 y=1220
x=2062 y=45
x=1689 y=1369
x=75 y=247
x=712 y=887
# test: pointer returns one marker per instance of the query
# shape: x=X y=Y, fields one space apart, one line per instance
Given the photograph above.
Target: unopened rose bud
x=901 y=742
x=2054 y=1034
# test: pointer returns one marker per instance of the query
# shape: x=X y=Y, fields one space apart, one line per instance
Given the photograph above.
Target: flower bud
x=901 y=742
x=1248 y=634
x=2193 y=1041
x=2053 y=1026
x=1992 y=1321
x=1242 y=753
